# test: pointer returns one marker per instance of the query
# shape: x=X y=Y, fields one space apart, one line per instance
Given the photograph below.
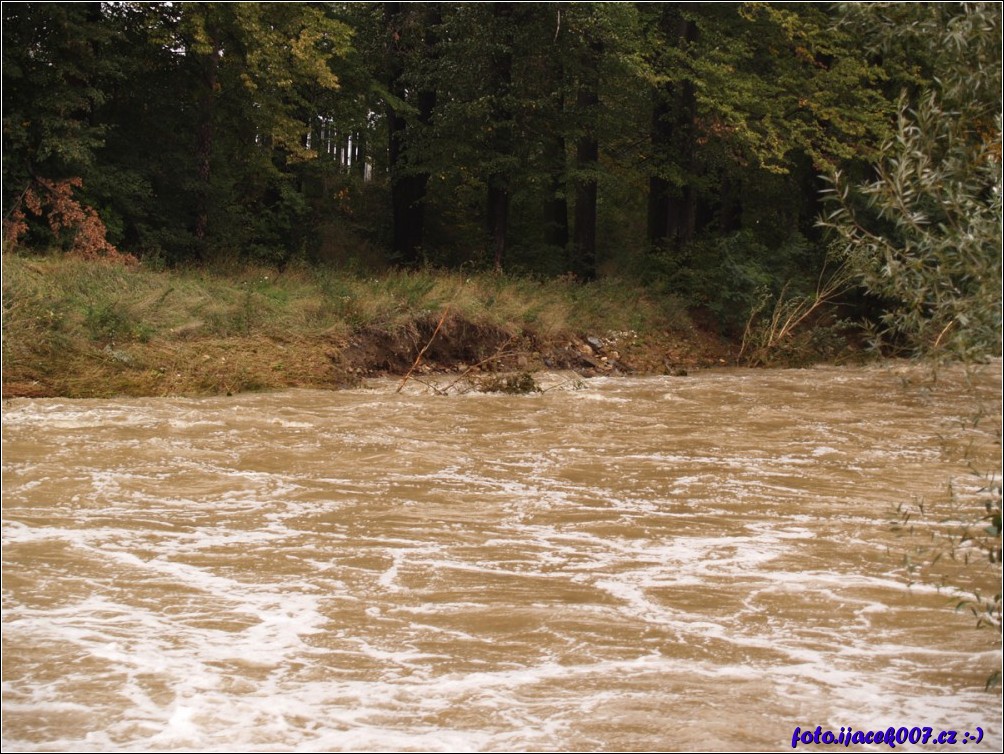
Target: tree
x=672 y=203
x=743 y=95
x=499 y=179
x=602 y=43
x=183 y=127
x=412 y=38
x=587 y=154
x=923 y=235
x=251 y=68
x=59 y=65
x=546 y=137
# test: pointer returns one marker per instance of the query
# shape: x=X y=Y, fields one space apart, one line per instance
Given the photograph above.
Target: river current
x=638 y=564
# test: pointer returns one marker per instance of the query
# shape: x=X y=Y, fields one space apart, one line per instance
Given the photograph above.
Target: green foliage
x=771 y=81
x=924 y=234
x=186 y=122
x=749 y=102
x=58 y=63
x=732 y=276
x=525 y=134
x=57 y=68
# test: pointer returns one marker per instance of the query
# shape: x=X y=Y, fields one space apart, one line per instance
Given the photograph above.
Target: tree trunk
x=587 y=154
x=672 y=209
x=659 y=188
x=359 y=155
x=555 y=158
x=498 y=220
x=556 y=210
x=204 y=144
x=730 y=210
x=408 y=188
x=501 y=121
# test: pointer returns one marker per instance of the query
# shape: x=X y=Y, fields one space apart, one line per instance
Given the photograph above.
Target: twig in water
x=499 y=354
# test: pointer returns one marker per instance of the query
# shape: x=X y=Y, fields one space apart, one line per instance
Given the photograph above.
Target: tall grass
x=65 y=318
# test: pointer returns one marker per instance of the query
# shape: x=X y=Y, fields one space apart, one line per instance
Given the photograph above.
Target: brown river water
x=635 y=564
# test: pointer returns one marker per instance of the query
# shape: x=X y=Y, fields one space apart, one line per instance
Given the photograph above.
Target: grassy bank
x=76 y=328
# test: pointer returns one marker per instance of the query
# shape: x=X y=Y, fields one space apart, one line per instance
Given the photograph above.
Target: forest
x=725 y=154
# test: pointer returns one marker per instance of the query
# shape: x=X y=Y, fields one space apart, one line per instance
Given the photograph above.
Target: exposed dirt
x=194 y=366
x=459 y=345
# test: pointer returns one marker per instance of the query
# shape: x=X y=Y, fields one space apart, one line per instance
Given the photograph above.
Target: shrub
x=76 y=225
x=924 y=235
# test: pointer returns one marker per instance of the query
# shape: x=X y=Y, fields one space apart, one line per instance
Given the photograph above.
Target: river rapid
x=635 y=564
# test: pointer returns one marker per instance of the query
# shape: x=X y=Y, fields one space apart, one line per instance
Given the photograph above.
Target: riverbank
x=79 y=329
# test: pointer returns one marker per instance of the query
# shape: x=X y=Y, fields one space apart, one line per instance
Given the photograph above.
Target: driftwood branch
x=421 y=353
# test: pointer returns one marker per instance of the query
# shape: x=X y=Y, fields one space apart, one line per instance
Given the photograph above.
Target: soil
x=457 y=345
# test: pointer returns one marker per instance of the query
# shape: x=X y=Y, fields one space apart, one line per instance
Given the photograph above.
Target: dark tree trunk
x=672 y=209
x=204 y=144
x=408 y=186
x=359 y=155
x=555 y=157
x=730 y=208
x=587 y=153
x=556 y=208
x=659 y=189
x=396 y=127
x=498 y=220
x=502 y=142
x=584 y=241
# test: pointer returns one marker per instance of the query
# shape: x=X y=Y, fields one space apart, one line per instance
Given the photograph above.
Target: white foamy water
x=660 y=563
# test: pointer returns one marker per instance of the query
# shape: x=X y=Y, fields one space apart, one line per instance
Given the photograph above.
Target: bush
x=924 y=236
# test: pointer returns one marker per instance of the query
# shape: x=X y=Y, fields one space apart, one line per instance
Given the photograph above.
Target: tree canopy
x=685 y=140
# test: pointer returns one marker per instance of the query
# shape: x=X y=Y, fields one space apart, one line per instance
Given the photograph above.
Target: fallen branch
x=421 y=353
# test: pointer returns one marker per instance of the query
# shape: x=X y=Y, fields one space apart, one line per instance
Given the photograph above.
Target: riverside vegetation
x=583 y=168
x=79 y=328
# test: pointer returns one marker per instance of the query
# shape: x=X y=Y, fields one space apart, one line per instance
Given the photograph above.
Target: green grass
x=106 y=302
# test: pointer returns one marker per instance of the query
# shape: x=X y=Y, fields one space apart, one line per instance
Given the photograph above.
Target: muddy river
x=703 y=562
